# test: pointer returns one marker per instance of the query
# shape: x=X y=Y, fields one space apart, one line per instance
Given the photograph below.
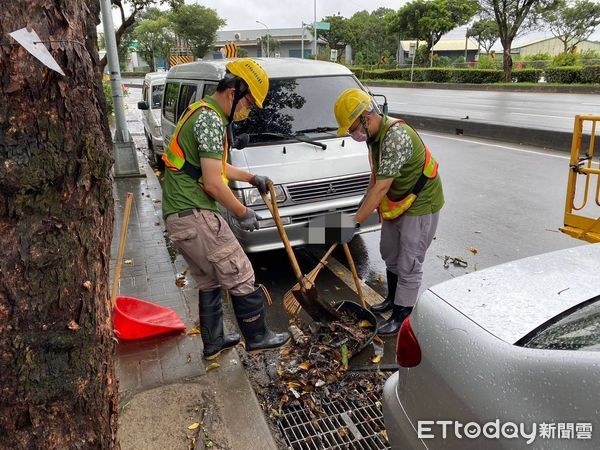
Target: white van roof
x=275 y=68
x=155 y=76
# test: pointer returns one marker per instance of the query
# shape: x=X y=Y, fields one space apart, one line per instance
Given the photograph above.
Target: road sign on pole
x=325 y=26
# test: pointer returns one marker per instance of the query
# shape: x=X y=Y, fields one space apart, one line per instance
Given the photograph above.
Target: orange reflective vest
x=390 y=210
x=174 y=156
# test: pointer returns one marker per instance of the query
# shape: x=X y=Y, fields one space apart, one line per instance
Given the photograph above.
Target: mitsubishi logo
x=331 y=189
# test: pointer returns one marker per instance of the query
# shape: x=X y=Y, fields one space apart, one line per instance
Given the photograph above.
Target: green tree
x=429 y=20
x=370 y=37
x=337 y=35
x=127 y=22
x=197 y=25
x=573 y=21
x=485 y=32
x=155 y=38
x=513 y=17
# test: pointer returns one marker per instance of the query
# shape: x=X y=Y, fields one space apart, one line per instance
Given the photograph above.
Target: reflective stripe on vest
x=174 y=156
x=390 y=210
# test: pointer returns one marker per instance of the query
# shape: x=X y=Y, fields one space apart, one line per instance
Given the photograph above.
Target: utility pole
x=302 y=46
x=315 y=49
x=126 y=163
x=268 y=37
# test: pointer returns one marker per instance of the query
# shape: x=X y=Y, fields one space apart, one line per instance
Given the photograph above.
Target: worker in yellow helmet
x=196 y=178
x=406 y=189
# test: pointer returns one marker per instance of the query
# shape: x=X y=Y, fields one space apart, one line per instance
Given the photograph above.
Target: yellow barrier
x=576 y=224
x=180 y=59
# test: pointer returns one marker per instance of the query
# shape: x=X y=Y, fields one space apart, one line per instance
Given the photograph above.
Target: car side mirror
x=143 y=105
x=241 y=141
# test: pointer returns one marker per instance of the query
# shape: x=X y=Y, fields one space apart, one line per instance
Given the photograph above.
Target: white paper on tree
x=31 y=42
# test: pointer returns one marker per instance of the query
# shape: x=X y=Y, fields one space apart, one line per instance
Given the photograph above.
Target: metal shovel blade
x=316 y=308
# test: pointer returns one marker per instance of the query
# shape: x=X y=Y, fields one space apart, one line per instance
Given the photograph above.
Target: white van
x=152 y=95
x=292 y=140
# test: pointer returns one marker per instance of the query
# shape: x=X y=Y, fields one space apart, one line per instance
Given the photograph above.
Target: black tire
x=151 y=154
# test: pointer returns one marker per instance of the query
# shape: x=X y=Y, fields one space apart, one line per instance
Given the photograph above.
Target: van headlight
x=251 y=196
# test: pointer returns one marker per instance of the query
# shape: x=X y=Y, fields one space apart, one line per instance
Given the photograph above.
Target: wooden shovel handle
x=354 y=275
x=124 y=227
x=272 y=205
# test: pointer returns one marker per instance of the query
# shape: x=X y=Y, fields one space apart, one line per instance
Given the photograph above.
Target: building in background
x=290 y=42
x=552 y=46
x=450 y=48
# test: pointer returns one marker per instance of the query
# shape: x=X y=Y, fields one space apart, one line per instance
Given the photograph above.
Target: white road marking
x=506 y=147
x=542 y=115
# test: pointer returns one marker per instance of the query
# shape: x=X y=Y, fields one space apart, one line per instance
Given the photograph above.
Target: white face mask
x=359 y=135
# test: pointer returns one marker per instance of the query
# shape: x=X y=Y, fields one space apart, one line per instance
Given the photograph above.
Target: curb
x=555 y=140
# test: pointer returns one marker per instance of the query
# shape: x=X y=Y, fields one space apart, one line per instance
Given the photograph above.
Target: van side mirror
x=241 y=141
x=143 y=105
x=384 y=107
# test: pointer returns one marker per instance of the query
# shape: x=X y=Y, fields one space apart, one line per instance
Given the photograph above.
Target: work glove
x=248 y=221
x=348 y=233
x=261 y=182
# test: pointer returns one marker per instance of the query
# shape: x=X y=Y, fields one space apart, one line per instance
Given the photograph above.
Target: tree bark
x=57 y=385
x=507 y=61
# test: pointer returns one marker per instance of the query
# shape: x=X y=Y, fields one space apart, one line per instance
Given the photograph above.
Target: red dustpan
x=134 y=318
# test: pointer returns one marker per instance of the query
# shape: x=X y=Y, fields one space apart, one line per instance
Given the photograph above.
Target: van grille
x=320 y=190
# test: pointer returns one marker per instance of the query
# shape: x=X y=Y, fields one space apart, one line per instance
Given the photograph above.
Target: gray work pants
x=214 y=255
x=404 y=242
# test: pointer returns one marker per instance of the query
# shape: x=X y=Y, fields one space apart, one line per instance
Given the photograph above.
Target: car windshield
x=576 y=329
x=296 y=106
x=157 y=95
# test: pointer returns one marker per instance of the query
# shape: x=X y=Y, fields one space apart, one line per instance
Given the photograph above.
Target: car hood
x=294 y=162
x=512 y=299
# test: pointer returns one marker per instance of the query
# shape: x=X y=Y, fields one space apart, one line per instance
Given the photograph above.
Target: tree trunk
x=507 y=61
x=57 y=385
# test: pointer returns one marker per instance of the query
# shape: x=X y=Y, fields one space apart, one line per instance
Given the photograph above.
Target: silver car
x=507 y=357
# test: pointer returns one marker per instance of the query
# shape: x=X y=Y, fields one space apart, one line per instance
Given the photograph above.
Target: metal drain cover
x=346 y=424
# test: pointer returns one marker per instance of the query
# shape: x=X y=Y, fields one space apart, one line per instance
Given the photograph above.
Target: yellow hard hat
x=349 y=106
x=254 y=75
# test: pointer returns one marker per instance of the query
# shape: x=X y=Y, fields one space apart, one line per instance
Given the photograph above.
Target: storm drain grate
x=346 y=425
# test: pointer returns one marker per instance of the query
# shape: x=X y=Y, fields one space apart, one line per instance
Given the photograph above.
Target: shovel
x=319 y=310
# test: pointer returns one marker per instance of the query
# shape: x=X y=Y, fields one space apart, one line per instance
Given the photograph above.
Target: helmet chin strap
x=237 y=96
x=363 y=122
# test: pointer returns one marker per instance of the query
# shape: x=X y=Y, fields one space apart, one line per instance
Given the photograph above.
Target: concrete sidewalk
x=163 y=382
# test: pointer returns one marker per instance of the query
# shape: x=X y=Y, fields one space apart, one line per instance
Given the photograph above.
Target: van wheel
x=151 y=155
x=160 y=164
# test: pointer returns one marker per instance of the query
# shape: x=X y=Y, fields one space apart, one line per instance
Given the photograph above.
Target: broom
x=290 y=304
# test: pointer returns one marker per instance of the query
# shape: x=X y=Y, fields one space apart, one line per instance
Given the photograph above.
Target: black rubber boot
x=392 y=325
x=386 y=305
x=211 y=325
x=250 y=312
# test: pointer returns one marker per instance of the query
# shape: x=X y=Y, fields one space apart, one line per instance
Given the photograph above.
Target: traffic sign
x=325 y=26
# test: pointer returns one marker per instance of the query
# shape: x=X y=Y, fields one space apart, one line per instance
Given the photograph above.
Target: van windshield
x=296 y=106
x=157 y=95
